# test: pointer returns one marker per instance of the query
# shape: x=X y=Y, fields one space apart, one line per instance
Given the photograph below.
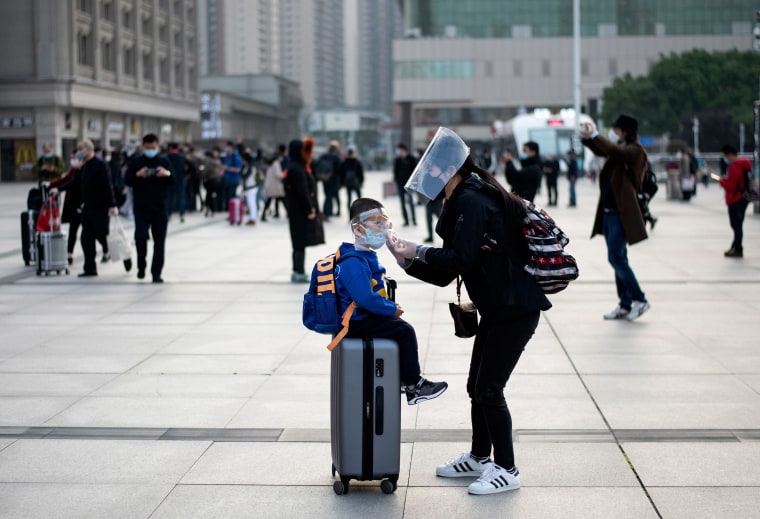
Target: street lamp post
x=577 y=66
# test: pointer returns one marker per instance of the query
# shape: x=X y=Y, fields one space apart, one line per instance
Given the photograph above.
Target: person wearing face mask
x=49 y=166
x=526 y=181
x=618 y=216
x=361 y=278
x=151 y=178
x=481 y=225
x=98 y=201
x=71 y=202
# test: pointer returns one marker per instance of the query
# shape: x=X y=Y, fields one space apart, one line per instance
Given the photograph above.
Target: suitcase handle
x=379 y=410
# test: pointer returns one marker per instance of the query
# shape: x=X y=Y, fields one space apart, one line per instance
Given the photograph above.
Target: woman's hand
x=403 y=250
x=587 y=129
x=312 y=214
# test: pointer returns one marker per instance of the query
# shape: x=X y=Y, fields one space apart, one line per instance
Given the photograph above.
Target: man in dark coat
x=178 y=161
x=403 y=167
x=151 y=178
x=351 y=174
x=301 y=196
x=327 y=172
x=618 y=216
x=525 y=182
x=551 y=173
x=98 y=202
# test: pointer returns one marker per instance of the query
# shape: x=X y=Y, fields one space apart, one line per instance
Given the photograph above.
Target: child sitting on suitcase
x=362 y=279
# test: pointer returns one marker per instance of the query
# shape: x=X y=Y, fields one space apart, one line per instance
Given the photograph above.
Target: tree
x=719 y=87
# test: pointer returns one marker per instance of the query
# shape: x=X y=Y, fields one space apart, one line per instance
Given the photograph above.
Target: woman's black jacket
x=483 y=243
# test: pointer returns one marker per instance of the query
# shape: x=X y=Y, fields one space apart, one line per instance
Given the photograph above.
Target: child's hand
x=399 y=311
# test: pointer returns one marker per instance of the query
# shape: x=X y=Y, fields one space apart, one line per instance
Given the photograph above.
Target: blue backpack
x=321 y=304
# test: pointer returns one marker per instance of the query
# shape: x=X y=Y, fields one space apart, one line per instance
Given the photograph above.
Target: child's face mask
x=376 y=225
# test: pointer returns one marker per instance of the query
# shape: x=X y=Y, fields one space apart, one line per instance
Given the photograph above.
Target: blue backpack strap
x=346 y=317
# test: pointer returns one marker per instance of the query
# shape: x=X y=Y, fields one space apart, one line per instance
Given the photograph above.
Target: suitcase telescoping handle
x=390 y=288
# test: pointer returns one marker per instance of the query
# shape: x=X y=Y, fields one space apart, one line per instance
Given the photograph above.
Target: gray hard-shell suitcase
x=52 y=255
x=365 y=412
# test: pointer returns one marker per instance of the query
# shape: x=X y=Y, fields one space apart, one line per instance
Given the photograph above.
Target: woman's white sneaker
x=462 y=466
x=637 y=308
x=495 y=479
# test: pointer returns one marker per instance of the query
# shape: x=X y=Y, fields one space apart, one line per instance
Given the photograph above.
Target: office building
x=301 y=40
x=108 y=70
x=468 y=64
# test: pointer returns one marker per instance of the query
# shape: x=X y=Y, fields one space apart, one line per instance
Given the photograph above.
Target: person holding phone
x=618 y=216
x=151 y=178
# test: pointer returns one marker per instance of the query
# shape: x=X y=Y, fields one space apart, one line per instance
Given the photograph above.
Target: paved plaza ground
x=206 y=397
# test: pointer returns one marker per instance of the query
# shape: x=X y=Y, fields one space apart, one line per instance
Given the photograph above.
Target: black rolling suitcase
x=365 y=412
x=28 y=243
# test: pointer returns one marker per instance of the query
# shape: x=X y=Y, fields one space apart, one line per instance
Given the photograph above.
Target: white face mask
x=611 y=135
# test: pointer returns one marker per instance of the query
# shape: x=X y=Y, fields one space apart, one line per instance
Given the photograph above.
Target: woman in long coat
x=301 y=195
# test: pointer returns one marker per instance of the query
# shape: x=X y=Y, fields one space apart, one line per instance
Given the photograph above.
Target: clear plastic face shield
x=442 y=159
x=376 y=225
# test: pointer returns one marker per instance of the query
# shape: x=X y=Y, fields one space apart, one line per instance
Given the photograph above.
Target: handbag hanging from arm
x=465 y=315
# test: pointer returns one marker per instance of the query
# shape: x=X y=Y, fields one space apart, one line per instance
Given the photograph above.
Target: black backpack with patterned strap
x=549 y=264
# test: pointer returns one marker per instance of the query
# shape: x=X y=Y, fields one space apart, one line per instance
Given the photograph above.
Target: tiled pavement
x=206 y=397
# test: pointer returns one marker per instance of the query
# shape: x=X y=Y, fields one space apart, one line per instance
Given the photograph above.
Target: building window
x=546 y=68
x=192 y=78
x=107 y=55
x=147 y=27
x=85 y=52
x=147 y=66
x=126 y=19
x=178 y=39
x=107 y=11
x=584 y=67
x=517 y=68
x=179 y=80
x=129 y=61
x=163 y=69
x=434 y=69
x=163 y=33
x=613 y=67
x=85 y=6
x=488 y=68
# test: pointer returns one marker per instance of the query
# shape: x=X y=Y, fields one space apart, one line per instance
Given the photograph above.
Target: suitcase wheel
x=387 y=486
x=340 y=487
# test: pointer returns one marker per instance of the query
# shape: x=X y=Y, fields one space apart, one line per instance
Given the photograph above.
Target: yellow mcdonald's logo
x=25 y=155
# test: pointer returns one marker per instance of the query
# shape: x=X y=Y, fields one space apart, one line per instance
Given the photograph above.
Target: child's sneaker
x=464 y=465
x=424 y=390
x=495 y=479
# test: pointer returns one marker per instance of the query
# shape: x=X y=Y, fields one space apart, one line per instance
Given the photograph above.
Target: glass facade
x=434 y=69
x=554 y=18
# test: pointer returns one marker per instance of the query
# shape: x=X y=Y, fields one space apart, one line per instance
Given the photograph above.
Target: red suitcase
x=236 y=210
